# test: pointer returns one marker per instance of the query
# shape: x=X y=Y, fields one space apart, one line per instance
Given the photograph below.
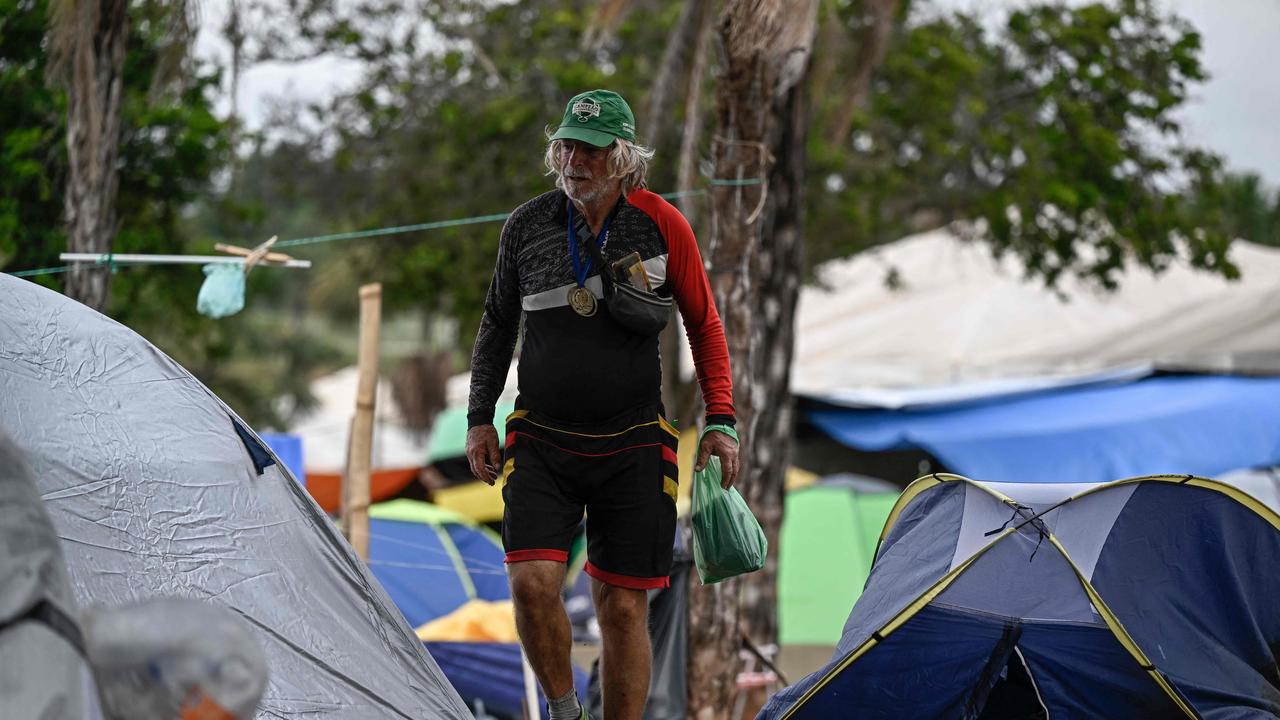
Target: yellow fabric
x=473 y=621
x=476 y=500
x=670 y=487
x=797 y=478
x=662 y=422
x=686 y=454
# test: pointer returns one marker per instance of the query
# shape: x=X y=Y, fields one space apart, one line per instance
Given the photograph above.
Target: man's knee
x=534 y=587
x=623 y=607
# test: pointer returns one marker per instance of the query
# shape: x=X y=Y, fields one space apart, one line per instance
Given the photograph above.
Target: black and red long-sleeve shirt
x=584 y=369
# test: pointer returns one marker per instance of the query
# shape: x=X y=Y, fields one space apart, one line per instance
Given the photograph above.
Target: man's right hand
x=483 y=454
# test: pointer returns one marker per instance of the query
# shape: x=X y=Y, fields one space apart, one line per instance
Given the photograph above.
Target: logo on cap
x=586 y=109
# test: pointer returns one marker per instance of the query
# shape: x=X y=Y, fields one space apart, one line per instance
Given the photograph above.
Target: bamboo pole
x=355 y=489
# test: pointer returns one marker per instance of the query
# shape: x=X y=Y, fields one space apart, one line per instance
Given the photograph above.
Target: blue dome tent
x=1140 y=598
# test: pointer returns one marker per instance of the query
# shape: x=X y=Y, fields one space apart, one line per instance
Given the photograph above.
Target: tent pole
x=532 y=711
x=355 y=490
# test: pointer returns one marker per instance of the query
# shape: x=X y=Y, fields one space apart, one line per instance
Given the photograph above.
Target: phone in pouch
x=631 y=269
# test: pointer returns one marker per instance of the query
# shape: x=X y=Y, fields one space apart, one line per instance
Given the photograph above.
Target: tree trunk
x=778 y=270
x=873 y=43
x=92 y=34
x=675 y=58
x=691 y=138
x=755 y=254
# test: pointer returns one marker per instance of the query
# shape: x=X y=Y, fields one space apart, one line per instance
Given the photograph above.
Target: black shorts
x=622 y=472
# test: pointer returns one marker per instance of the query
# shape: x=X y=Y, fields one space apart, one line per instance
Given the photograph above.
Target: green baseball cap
x=597 y=117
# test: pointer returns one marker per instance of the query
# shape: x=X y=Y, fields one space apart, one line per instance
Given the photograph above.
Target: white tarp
x=325 y=429
x=959 y=315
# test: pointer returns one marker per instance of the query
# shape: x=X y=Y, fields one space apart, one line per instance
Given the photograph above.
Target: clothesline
x=120 y=260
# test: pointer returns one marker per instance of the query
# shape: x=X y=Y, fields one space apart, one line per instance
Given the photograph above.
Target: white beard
x=589 y=190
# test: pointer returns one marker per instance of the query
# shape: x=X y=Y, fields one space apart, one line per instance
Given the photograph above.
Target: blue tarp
x=1203 y=425
x=289 y=449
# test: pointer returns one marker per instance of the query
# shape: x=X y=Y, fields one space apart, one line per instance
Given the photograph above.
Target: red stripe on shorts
x=669 y=455
x=627 y=581
x=523 y=555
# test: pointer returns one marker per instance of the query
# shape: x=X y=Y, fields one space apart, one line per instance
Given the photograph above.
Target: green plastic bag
x=727 y=539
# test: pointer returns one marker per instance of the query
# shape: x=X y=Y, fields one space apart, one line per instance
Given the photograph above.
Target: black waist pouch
x=640 y=311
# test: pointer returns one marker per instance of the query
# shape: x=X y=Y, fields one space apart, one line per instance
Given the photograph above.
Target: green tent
x=449 y=431
x=829 y=534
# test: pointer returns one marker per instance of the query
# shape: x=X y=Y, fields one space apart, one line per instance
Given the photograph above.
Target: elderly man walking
x=592 y=267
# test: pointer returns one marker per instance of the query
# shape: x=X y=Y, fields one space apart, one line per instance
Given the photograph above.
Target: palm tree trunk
x=755 y=256
x=91 y=35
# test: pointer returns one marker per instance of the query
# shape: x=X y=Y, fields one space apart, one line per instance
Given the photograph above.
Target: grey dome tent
x=1150 y=597
x=156 y=488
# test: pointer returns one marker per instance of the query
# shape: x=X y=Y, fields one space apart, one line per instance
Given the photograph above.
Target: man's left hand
x=722 y=446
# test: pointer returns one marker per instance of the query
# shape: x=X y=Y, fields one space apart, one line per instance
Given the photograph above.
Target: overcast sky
x=1235 y=113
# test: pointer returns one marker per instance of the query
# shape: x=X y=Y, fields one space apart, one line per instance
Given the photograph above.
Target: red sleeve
x=692 y=291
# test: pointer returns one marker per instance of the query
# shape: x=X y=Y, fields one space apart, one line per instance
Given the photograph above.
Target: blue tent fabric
x=1200 y=425
x=483 y=556
x=906 y=687
x=419 y=573
x=1083 y=672
x=1182 y=622
x=1220 y=627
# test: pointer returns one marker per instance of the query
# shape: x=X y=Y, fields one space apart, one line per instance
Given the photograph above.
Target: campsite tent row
x=957 y=323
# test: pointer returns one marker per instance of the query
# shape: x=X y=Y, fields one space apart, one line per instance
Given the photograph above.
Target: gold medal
x=583 y=301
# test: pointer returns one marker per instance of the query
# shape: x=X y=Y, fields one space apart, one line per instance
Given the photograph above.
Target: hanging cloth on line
x=222 y=293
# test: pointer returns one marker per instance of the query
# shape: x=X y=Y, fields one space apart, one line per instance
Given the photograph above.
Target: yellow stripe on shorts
x=670 y=487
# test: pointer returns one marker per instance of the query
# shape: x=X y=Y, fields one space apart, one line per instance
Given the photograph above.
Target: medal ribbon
x=580 y=271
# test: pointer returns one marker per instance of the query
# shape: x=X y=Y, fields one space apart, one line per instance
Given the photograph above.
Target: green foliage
x=1243 y=205
x=171 y=147
x=1054 y=139
x=440 y=130
x=32 y=145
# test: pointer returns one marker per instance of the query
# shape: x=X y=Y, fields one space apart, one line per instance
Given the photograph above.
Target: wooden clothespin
x=256 y=255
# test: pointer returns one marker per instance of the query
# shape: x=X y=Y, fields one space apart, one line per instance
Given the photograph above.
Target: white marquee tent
x=961 y=316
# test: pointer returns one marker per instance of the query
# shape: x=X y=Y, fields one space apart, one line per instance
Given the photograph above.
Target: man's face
x=584 y=169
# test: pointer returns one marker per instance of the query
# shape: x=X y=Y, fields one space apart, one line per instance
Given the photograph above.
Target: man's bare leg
x=542 y=623
x=625 y=656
